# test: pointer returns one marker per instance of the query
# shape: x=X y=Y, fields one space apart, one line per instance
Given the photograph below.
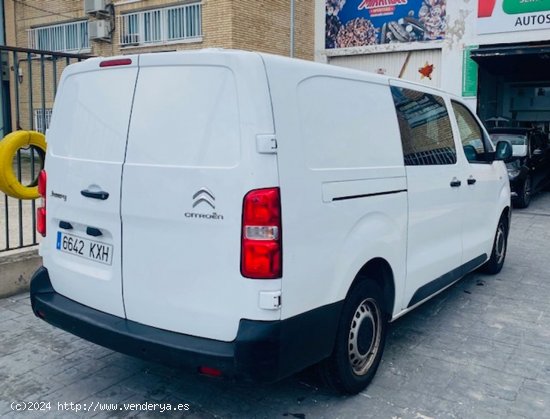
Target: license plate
x=85 y=248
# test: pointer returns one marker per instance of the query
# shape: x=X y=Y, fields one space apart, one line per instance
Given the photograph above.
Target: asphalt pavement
x=481 y=349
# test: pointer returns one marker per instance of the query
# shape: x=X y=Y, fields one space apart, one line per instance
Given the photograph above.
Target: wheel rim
x=500 y=244
x=364 y=336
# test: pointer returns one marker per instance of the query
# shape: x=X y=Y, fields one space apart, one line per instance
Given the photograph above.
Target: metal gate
x=28 y=85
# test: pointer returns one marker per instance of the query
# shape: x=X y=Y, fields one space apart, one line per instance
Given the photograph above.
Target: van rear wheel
x=359 y=342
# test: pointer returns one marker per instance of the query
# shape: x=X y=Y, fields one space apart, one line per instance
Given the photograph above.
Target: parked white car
x=248 y=214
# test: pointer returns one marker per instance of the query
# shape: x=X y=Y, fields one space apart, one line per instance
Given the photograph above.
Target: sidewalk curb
x=16 y=271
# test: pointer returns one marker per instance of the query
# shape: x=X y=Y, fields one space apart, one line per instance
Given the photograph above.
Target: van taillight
x=41 y=210
x=261 y=248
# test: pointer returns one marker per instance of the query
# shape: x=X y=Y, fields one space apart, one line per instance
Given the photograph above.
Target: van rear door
x=198 y=121
x=86 y=146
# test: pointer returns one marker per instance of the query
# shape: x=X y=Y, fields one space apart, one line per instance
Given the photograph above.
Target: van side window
x=425 y=127
x=473 y=140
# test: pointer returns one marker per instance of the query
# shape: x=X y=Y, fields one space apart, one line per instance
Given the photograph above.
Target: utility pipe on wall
x=291 y=28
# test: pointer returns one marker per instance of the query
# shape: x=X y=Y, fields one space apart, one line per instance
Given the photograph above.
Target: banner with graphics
x=355 y=23
x=498 y=16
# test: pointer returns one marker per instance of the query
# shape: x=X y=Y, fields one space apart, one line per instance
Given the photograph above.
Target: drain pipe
x=292 y=28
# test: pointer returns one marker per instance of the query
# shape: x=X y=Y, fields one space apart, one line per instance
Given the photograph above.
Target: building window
x=42 y=119
x=158 y=26
x=67 y=37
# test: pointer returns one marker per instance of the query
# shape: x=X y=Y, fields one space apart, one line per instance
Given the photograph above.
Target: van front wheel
x=498 y=254
x=359 y=341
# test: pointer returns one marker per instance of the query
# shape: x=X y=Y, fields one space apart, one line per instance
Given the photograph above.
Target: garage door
x=393 y=63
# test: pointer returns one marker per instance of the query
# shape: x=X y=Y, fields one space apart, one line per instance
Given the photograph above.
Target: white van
x=251 y=215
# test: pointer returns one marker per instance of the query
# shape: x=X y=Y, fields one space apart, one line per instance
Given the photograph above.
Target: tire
x=525 y=193
x=9 y=184
x=359 y=341
x=500 y=245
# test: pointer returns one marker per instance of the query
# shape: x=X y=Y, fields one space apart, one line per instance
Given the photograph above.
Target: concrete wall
x=16 y=270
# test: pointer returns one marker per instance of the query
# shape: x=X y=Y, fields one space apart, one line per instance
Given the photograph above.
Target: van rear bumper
x=262 y=351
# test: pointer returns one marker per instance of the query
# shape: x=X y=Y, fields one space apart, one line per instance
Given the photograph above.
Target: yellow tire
x=8 y=149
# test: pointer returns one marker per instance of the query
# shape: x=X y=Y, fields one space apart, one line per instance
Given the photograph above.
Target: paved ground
x=478 y=350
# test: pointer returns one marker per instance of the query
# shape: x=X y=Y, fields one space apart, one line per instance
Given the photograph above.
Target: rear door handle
x=94 y=232
x=65 y=225
x=102 y=195
x=455 y=183
x=471 y=181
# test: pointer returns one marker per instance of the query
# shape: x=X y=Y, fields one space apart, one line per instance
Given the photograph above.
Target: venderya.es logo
x=204 y=197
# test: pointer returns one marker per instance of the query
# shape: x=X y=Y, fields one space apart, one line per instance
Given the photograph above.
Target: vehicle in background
x=529 y=168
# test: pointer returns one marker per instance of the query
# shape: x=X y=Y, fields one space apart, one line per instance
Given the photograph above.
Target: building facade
x=493 y=53
x=107 y=28
x=129 y=26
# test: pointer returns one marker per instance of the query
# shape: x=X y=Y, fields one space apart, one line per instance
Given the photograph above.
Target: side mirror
x=470 y=152
x=503 y=151
x=537 y=152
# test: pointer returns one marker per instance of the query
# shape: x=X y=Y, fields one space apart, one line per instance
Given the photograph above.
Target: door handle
x=102 y=195
x=455 y=183
x=471 y=181
x=94 y=232
x=65 y=225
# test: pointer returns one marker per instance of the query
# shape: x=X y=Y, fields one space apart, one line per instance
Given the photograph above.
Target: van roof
x=292 y=62
x=365 y=75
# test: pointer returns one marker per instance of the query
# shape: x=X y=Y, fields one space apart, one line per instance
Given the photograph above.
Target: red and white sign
x=499 y=16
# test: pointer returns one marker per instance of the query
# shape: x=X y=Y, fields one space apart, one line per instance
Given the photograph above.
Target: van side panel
x=191 y=159
x=343 y=184
x=86 y=146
